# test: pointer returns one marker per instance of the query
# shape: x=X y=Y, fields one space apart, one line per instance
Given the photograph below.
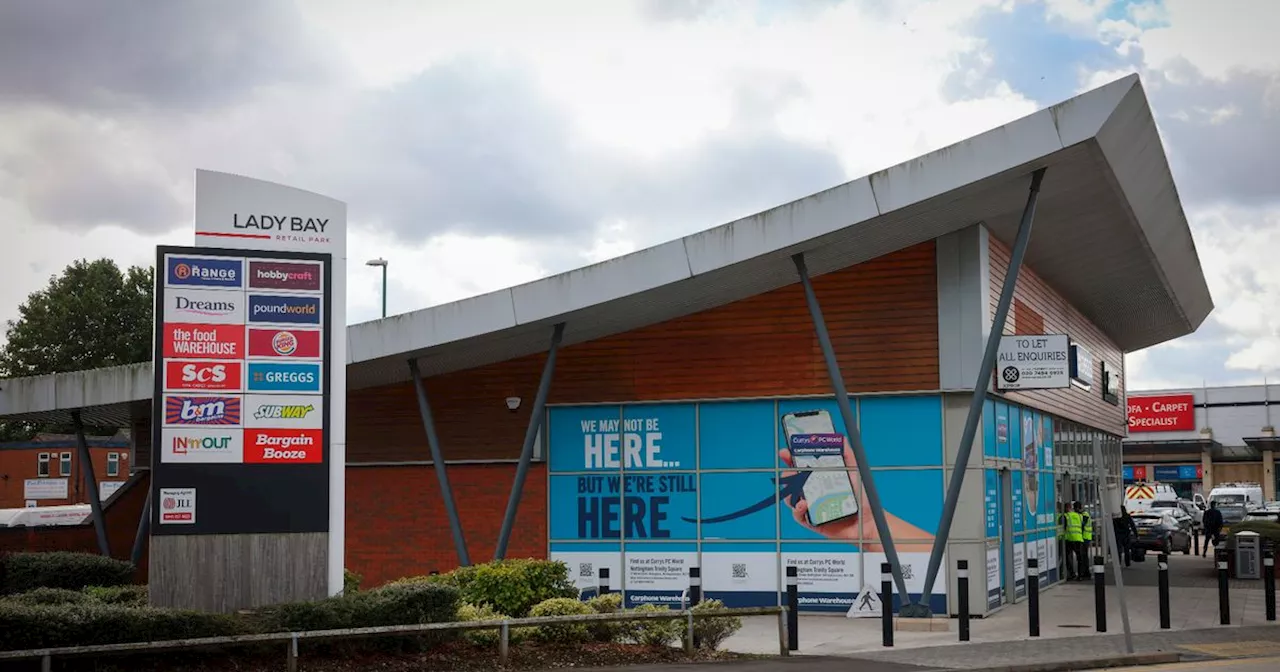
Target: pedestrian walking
x=1212 y=527
x=1073 y=539
x=1126 y=535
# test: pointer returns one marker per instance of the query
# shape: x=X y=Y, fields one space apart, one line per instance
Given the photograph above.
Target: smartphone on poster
x=814 y=444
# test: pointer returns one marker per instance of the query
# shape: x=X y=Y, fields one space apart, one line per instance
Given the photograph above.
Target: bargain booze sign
x=1162 y=413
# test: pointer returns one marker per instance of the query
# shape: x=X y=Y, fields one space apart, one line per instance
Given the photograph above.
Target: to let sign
x=1164 y=413
x=1037 y=362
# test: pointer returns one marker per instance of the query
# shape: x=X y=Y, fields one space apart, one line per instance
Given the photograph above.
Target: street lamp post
x=383 y=263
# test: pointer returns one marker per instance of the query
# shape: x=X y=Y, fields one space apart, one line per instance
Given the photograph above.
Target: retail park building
x=681 y=365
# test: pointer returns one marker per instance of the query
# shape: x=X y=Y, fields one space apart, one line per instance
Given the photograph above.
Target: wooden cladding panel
x=1053 y=315
x=882 y=316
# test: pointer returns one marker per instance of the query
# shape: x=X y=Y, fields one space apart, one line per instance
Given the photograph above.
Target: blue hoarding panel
x=1002 y=429
x=902 y=431
x=658 y=437
x=1018 y=505
x=913 y=496
x=991 y=501
x=989 y=428
x=584 y=438
x=660 y=506
x=737 y=435
x=586 y=507
x=738 y=506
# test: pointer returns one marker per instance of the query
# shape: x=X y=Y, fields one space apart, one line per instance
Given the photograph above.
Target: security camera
x=513 y=403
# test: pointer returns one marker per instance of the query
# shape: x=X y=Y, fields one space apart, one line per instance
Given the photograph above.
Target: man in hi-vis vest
x=1073 y=539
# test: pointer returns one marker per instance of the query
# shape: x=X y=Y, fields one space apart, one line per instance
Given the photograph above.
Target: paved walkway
x=1067 y=611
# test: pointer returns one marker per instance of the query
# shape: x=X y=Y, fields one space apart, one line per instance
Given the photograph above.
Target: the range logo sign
x=281 y=377
x=204 y=306
x=205 y=272
x=284 y=446
x=202 y=411
x=284 y=411
x=204 y=341
x=177 y=506
x=284 y=309
x=202 y=446
x=298 y=343
x=212 y=376
x=284 y=275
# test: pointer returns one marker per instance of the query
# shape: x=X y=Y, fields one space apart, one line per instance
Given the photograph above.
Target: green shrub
x=1265 y=528
x=24 y=626
x=128 y=596
x=74 y=571
x=652 y=631
x=515 y=586
x=49 y=596
x=470 y=612
x=402 y=604
x=711 y=631
x=609 y=603
x=560 y=633
x=350 y=582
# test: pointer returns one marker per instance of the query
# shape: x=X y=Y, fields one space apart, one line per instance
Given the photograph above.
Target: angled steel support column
x=979 y=395
x=530 y=436
x=91 y=484
x=850 y=424
x=144 y=528
x=437 y=460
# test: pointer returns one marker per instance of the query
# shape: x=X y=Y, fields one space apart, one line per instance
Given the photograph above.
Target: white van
x=1237 y=495
x=72 y=514
x=1139 y=496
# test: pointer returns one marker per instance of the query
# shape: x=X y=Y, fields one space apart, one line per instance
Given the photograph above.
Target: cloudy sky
x=485 y=143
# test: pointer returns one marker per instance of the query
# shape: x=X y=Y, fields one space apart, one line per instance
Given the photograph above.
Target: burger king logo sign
x=277 y=342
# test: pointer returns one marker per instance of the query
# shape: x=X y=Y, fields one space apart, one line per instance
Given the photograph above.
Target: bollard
x=695 y=596
x=1196 y=538
x=1033 y=596
x=1269 y=583
x=1100 y=592
x=504 y=642
x=1224 y=595
x=782 y=633
x=793 y=609
x=962 y=585
x=1163 y=566
x=292 y=662
x=886 y=601
x=603 y=589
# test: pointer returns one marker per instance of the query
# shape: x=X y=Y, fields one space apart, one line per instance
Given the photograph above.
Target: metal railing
x=503 y=626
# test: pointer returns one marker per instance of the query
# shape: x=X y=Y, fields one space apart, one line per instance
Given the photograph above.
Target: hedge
x=22 y=572
x=560 y=633
x=26 y=626
x=128 y=596
x=509 y=587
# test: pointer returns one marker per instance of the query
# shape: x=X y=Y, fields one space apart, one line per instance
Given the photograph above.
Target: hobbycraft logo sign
x=1033 y=362
x=204 y=341
x=177 y=506
x=284 y=446
x=294 y=343
x=1163 y=413
x=204 y=411
x=205 y=272
x=212 y=376
x=284 y=275
x=284 y=309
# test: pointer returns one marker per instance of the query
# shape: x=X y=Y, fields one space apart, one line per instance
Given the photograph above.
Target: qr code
x=739 y=570
x=585 y=570
x=907 y=573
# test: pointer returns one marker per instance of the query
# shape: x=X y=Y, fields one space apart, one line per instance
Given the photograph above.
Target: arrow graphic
x=789 y=487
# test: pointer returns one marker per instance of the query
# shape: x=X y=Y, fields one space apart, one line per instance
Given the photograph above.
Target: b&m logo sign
x=273 y=377
x=284 y=309
x=200 y=272
x=204 y=411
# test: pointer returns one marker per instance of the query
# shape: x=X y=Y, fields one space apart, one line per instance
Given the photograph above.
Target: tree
x=93 y=315
x=90 y=316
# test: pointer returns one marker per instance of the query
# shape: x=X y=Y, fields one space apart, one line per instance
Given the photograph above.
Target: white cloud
x=1216 y=37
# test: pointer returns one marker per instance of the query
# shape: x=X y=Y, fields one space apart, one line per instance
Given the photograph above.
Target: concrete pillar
x=1206 y=463
x=1268 y=475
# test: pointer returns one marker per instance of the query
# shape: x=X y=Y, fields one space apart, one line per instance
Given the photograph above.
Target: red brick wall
x=19 y=464
x=397 y=526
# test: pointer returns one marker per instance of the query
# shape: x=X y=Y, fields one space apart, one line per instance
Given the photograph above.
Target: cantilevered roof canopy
x=1110 y=235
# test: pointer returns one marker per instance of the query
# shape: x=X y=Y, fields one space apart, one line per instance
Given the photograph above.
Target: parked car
x=1181 y=509
x=1163 y=532
x=1269 y=515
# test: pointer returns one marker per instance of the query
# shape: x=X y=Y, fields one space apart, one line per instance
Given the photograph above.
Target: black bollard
x=962 y=584
x=604 y=582
x=1100 y=592
x=793 y=609
x=1224 y=594
x=886 y=601
x=1163 y=561
x=1033 y=596
x=695 y=596
x=1196 y=538
x=1269 y=583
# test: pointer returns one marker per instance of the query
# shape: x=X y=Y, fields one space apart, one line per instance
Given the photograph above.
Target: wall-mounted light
x=513 y=403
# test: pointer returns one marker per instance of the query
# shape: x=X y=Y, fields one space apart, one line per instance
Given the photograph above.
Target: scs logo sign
x=297 y=343
x=272 y=377
x=206 y=411
x=284 y=446
x=219 y=376
x=205 y=272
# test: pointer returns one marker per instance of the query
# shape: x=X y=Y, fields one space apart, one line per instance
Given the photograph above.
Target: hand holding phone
x=828 y=495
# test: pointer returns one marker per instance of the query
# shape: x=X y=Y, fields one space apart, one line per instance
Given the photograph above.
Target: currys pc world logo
x=205 y=272
x=817 y=444
x=203 y=411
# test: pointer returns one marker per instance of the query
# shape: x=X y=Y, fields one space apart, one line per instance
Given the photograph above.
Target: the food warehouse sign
x=241 y=391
